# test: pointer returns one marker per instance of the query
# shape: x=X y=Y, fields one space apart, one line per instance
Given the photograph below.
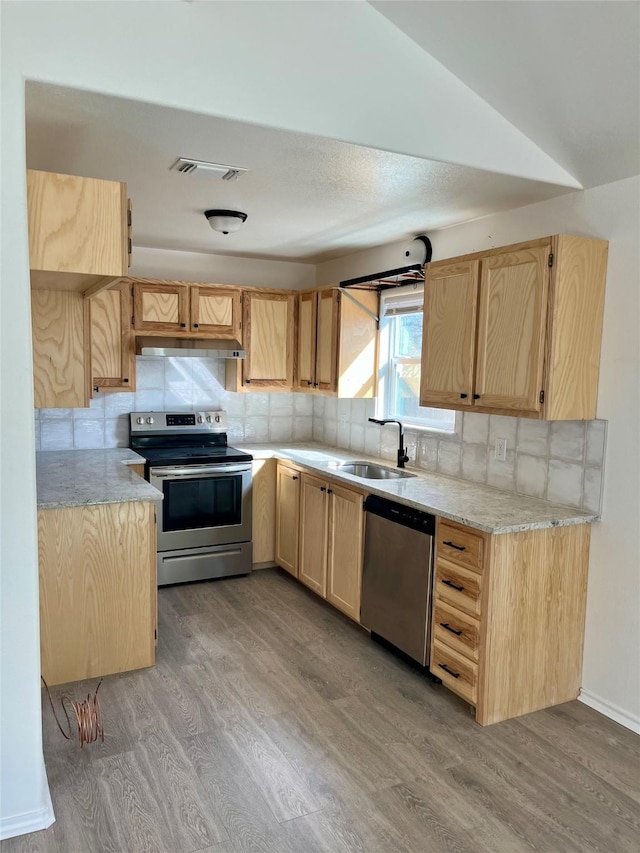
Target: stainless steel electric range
x=204 y=525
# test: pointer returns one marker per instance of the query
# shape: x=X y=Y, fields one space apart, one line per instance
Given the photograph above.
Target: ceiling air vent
x=213 y=170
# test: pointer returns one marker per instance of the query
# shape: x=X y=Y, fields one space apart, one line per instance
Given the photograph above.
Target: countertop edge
x=573 y=516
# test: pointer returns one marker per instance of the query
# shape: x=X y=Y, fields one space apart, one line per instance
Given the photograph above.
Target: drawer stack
x=460 y=562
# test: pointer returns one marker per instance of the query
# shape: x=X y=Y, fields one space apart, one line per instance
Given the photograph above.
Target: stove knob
x=208 y=419
x=200 y=419
x=149 y=420
x=139 y=420
x=218 y=419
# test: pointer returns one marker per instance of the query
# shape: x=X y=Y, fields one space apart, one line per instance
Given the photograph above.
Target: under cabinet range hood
x=189 y=347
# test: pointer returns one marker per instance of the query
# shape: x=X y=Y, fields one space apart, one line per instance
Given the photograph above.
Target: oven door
x=203 y=505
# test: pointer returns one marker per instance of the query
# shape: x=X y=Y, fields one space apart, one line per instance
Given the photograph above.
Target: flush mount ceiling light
x=225 y=221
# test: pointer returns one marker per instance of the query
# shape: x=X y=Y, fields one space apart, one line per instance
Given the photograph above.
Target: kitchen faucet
x=402 y=456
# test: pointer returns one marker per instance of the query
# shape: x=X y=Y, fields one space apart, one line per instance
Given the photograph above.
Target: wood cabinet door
x=263 y=487
x=268 y=320
x=345 y=550
x=306 y=361
x=287 y=518
x=59 y=328
x=313 y=533
x=112 y=350
x=511 y=329
x=327 y=341
x=448 y=334
x=77 y=226
x=161 y=307
x=215 y=311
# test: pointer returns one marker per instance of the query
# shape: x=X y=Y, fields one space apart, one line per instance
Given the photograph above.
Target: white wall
x=611 y=675
x=221 y=269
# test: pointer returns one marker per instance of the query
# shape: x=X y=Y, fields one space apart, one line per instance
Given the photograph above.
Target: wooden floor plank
x=272 y=723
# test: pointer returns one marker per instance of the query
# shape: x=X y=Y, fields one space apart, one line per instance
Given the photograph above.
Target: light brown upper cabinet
x=113 y=361
x=79 y=231
x=185 y=309
x=268 y=337
x=337 y=340
x=517 y=330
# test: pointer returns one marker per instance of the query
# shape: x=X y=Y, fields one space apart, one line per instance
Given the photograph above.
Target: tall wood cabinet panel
x=97 y=568
x=536 y=326
x=263 y=487
x=449 y=339
x=268 y=337
x=78 y=230
x=60 y=340
x=112 y=349
x=307 y=324
x=345 y=550
x=327 y=340
x=313 y=533
x=287 y=518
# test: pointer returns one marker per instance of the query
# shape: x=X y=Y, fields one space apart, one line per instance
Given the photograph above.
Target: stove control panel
x=178 y=422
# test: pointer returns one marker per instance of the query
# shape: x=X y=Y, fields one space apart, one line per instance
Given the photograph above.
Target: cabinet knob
x=323 y=488
x=196 y=325
x=294 y=478
x=463 y=396
x=125 y=380
x=476 y=396
x=183 y=325
x=329 y=491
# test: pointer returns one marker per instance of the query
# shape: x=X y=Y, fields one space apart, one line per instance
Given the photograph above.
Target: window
x=399 y=368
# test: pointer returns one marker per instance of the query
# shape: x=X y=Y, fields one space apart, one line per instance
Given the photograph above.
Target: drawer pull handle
x=446 y=669
x=453 y=585
x=453 y=545
x=448 y=627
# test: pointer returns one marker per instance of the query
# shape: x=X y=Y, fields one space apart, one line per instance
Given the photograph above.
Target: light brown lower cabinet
x=98 y=590
x=331 y=542
x=263 y=477
x=508 y=617
x=287 y=518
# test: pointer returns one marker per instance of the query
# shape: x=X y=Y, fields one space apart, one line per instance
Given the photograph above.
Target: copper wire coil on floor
x=87 y=712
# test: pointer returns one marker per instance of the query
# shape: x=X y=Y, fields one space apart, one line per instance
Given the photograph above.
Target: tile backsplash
x=175 y=383
x=559 y=461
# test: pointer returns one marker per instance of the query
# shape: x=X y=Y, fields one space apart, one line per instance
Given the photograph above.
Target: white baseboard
x=618 y=715
x=33 y=821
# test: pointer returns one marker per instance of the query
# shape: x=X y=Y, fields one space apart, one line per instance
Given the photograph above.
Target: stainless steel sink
x=371 y=471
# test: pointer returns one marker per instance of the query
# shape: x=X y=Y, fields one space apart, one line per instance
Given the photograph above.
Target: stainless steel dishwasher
x=397 y=576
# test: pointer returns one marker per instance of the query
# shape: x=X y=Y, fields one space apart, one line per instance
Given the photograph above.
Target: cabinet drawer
x=457 y=673
x=457 y=586
x=459 y=545
x=456 y=629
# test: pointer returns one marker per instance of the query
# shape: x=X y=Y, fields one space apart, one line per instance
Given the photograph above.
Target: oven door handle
x=212 y=470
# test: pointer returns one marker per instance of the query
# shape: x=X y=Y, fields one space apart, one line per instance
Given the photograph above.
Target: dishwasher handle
x=406 y=516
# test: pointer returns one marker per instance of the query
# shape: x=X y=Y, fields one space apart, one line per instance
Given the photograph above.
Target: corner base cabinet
x=97 y=568
x=508 y=617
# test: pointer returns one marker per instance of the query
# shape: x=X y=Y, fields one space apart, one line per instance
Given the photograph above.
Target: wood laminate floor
x=271 y=723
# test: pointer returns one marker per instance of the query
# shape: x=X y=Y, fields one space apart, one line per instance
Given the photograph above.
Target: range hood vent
x=418 y=252
x=189 y=347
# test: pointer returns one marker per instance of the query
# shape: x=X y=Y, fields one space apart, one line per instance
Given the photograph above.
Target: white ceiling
x=567 y=74
x=311 y=198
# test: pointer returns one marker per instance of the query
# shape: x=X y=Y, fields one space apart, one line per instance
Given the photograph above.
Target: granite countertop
x=86 y=477
x=483 y=507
